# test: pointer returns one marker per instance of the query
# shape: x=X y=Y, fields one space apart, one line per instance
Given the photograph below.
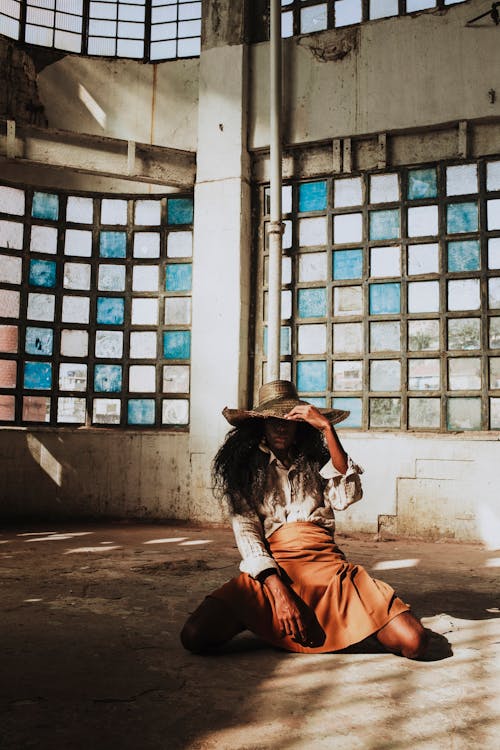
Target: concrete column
x=221 y=256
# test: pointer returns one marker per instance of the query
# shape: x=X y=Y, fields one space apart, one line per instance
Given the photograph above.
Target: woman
x=283 y=472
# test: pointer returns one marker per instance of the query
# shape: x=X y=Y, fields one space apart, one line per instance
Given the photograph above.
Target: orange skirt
x=348 y=604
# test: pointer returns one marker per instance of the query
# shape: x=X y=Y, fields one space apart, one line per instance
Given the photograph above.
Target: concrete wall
x=383 y=75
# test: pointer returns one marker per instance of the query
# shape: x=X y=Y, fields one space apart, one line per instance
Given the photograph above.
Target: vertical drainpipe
x=275 y=226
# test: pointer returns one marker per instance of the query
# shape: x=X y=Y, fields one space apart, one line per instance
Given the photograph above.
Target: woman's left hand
x=308 y=413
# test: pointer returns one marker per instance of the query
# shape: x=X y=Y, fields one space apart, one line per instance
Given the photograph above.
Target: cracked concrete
x=91 y=657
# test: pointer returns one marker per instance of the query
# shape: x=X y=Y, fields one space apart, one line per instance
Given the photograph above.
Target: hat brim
x=278 y=410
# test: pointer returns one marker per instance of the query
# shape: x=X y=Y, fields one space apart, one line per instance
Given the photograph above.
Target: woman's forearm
x=337 y=453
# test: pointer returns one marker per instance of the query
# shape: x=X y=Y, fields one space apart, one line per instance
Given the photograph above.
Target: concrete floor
x=91 y=657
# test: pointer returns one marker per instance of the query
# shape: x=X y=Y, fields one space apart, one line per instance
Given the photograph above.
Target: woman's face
x=280 y=434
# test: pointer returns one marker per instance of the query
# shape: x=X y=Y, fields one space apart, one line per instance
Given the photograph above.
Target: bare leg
x=404 y=635
x=211 y=625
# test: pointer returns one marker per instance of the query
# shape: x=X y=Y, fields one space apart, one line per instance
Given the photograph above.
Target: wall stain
x=327 y=49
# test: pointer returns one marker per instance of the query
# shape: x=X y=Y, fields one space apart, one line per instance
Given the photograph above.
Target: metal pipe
x=275 y=226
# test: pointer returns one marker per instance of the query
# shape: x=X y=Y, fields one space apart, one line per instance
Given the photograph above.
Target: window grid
x=110 y=28
x=309 y=16
x=425 y=332
x=88 y=330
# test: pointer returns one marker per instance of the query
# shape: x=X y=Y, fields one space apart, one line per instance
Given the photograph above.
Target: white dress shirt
x=286 y=498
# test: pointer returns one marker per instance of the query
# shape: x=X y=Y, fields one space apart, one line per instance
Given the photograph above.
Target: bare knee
x=415 y=644
x=192 y=637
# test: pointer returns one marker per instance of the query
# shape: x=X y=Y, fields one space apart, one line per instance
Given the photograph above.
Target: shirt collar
x=272 y=458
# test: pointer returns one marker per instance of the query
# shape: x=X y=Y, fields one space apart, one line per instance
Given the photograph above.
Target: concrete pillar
x=221 y=255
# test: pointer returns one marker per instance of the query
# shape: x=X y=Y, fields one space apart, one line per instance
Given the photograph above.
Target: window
x=141 y=29
x=308 y=16
x=391 y=295
x=95 y=308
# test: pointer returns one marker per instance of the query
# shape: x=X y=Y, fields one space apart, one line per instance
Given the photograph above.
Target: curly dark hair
x=238 y=469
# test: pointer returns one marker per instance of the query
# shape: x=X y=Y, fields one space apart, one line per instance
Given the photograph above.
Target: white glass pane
x=180 y=244
x=312 y=339
x=461 y=180
x=9 y=303
x=312 y=231
x=385 y=412
x=423 y=259
x=80 y=210
x=11 y=235
x=43 y=240
x=413 y=5
x=176 y=379
x=347 y=12
x=68 y=41
x=75 y=309
x=348 y=338
x=142 y=379
x=314 y=18
x=109 y=344
x=348 y=192
x=71 y=410
x=464 y=333
x=495 y=373
x=175 y=411
x=145 y=279
x=111 y=277
x=40 y=306
x=385 y=261
x=423 y=374
x=385 y=336
x=464 y=374
x=72 y=376
x=113 y=211
x=76 y=276
x=348 y=300
x=347 y=376
x=106 y=411
x=463 y=294
x=494 y=333
x=384 y=188
x=143 y=344
x=147 y=213
x=74 y=343
x=383 y=8
x=189 y=47
x=129 y=48
x=494 y=252
x=12 y=200
x=144 y=311
x=494 y=293
x=494 y=413
x=424 y=413
x=423 y=335
x=423 y=296
x=178 y=311
x=385 y=375
x=347 y=228
x=78 y=242
x=10 y=269
x=493 y=214
x=312 y=266
x=422 y=221
x=464 y=413
x=147 y=245
x=493 y=175
x=286 y=25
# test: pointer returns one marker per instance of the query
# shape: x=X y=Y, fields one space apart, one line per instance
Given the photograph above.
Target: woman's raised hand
x=308 y=413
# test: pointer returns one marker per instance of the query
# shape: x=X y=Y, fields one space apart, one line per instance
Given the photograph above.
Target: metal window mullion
x=365 y=312
x=483 y=270
x=403 y=244
x=443 y=291
x=23 y=308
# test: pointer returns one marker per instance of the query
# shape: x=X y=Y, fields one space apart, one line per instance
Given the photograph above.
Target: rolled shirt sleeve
x=249 y=537
x=342 y=490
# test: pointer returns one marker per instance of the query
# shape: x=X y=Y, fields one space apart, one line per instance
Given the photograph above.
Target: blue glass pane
x=45 y=206
x=43 y=273
x=317 y=401
x=110 y=310
x=347 y=264
x=354 y=405
x=141 y=411
x=422 y=183
x=177 y=344
x=180 y=211
x=462 y=217
x=463 y=256
x=285 y=340
x=39 y=341
x=108 y=378
x=385 y=298
x=38 y=375
x=312 y=196
x=311 y=376
x=179 y=276
x=113 y=245
x=384 y=225
x=312 y=303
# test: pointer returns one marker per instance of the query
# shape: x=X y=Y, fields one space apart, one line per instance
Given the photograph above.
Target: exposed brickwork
x=19 y=98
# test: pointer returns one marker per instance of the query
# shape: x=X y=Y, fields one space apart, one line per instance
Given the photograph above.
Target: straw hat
x=276 y=399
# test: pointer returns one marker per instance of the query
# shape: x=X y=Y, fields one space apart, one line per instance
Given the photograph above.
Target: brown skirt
x=348 y=604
